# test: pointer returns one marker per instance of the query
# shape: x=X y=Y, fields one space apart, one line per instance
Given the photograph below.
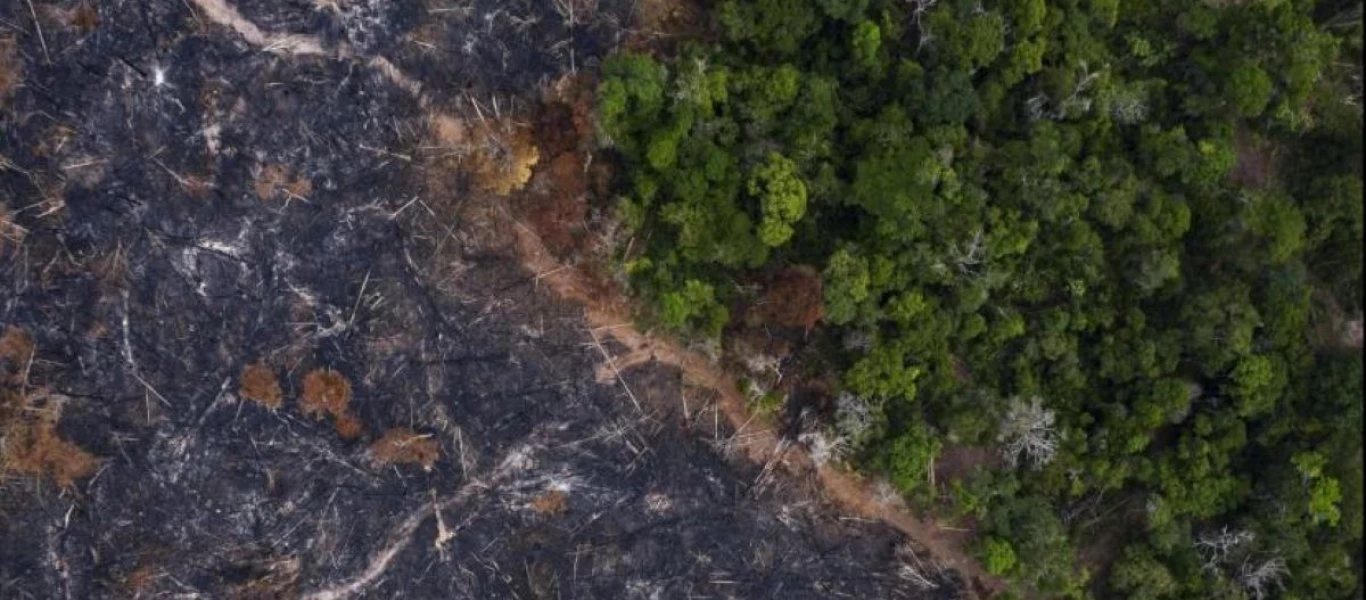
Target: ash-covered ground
x=181 y=199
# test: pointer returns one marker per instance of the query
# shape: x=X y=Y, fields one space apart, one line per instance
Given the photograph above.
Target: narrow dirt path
x=610 y=318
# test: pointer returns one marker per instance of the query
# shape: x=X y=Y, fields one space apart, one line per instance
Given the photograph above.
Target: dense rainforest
x=1117 y=243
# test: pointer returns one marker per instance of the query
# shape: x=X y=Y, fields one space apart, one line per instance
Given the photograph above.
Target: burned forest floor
x=279 y=321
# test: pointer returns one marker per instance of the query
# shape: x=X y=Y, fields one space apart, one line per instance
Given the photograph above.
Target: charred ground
x=187 y=212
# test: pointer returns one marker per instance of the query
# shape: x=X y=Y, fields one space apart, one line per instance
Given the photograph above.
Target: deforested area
x=648 y=299
x=274 y=325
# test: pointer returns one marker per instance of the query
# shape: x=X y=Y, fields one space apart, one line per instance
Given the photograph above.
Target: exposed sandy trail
x=611 y=316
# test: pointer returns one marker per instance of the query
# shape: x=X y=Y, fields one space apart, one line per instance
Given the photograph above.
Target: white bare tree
x=1037 y=106
x=853 y=419
x=1028 y=430
x=1129 y=107
x=692 y=83
x=764 y=365
x=1259 y=576
x=853 y=424
x=1077 y=100
x=859 y=340
x=885 y=494
x=824 y=446
x=1232 y=552
x=918 y=10
x=969 y=258
x=1215 y=547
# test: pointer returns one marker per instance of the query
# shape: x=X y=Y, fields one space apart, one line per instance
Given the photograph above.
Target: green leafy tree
x=630 y=98
x=1274 y=218
x=998 y=556
x=844 y=10
x=908 y=457
x=1248 y=88
x=883 y=373
x=846 y=283
x=775 y=26
x=866 y=43
x=1040 y=542
x=1139 y=576
x=782 y=196
x=1254 y=385
x=694 y=305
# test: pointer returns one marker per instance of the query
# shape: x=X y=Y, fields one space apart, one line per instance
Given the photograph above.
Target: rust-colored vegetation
x=84 y=18
x=502 y=157
x=142 y=579
x=11 y=68
x=29 y=443
x=401 y=445
x=32 y=446
x=566 y=121
x=792 y=299
x=328 y=393
x=557 y=205
x=1257 y=160
x=497 y=153
x=553 y=502
x=258 y=383
x=348 y=426
x=16 y=347
x=681 y=19
x=276 y=182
